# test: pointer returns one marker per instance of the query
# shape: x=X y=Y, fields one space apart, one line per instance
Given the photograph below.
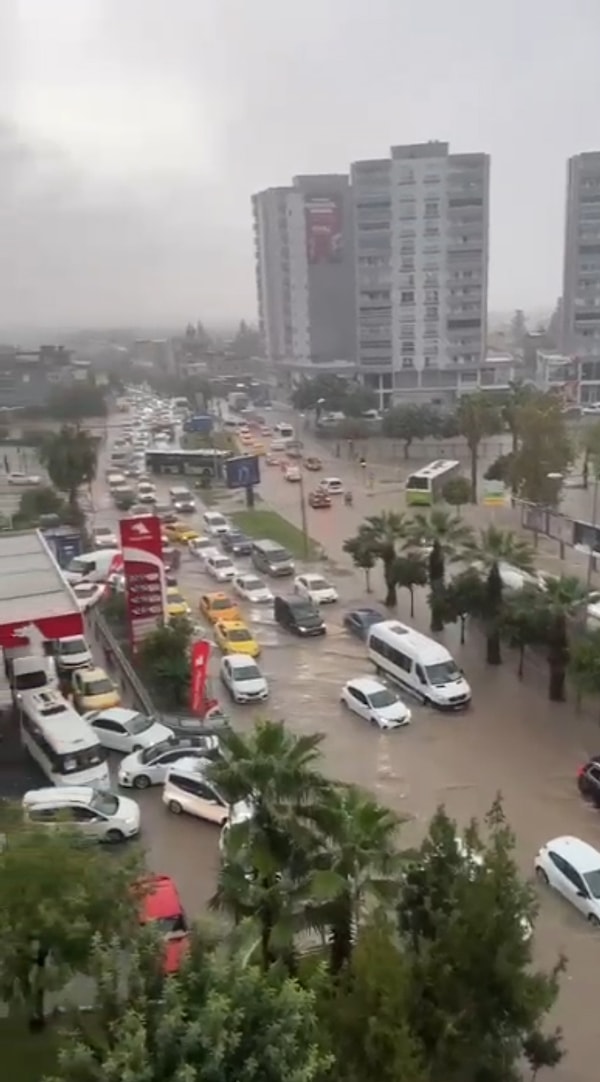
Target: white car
x=97 y=813
x=201 y=547
x=72 y=653
x=293 y=474
x=315 y=588
x=151 y=765
x=214 y=523
x=278 y=445
x=332 y=486
x=146 y=492
x=219 y=567
x=126 y=730
x=243 y=679
x=25 y=480
x=186 y=789
x=572 y=867
x=88 y=594
x=104 y=537
x=117 y=582
x=252 y=589
x=373 y=701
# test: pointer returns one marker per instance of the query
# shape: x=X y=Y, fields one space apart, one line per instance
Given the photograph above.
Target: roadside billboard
x=145 y=581
x=199 y=666
x=323 y=216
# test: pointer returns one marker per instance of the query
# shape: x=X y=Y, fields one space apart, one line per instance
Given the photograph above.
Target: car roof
x=365 y=612
x=312 y=576
x=239 y=661
x=115 y=713
x=218 y=595
x=366 y=684
x=71 y=638
x=583 y=855
x=160 y=898
x=59 y=794
x=248 y=576
x=233 y=625
x=188 y=764
x=173 y=590
x=208 y=515
x=429 y=651
x=93 y=673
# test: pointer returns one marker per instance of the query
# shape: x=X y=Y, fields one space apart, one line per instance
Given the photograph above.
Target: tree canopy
x=70 y=457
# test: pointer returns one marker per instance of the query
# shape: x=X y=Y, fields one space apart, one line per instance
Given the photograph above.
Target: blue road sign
x=242 y=472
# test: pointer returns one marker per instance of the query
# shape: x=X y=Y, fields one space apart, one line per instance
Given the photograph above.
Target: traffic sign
x=242 y=472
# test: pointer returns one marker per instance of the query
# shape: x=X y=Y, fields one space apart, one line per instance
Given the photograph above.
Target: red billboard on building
x=323 y=215
x=145 y=582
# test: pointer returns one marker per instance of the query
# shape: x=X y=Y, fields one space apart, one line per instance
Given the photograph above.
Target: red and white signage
x=46 y=627
x=145 y=581
x=199 y=666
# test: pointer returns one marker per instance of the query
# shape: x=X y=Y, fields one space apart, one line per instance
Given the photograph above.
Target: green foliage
x=379 y=535
x=71 y=458
x=543 y=448
x=35 y=502
x=362 y=556
x=493 y=546
x=410 y=571
x=501 y=469
x=584 y=663
x=457 y=491
x=56 y=892
x=333 y=393
x=408 y=423
x=452 y=534
x=463 y=596
x=77 y=402
x=564 y=598
x=222 y=1020
x=478 y=416
x=524 y=621
x=164 y=663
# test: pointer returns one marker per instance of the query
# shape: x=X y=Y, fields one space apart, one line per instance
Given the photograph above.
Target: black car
x=588 y=780
x=299 y=615
x=236 y=542
x=358 y=621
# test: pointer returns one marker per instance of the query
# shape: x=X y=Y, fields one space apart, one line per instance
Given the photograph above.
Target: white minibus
x=94 y=566
x=418 y=663
x=284 y=431
x=61 y=742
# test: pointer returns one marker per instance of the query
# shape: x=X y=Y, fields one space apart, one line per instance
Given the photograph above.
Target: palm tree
x=379 y=535
x=493 y=547
x=362 y=556
x=564 y=598
x=71 y=458
x=524 y=621
x=477 y=416
x=410 y=571
x=356 y=866
x=519 y=394
x=275 y=772
x=449 y=537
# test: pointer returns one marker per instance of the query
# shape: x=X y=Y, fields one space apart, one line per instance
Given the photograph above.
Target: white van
x=61 y=742
x=93 y=566
x=284 y=431
x=418 y=663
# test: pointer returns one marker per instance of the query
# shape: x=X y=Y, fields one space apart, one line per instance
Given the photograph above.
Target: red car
x=318 y=498
x=161 y=905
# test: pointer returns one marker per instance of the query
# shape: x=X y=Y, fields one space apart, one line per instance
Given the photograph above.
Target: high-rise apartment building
x=421 y=246
x=304 y=238
x=580 y=310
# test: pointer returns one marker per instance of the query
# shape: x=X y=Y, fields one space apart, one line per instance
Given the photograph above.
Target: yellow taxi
x=233 y=637
x=219 y=607
x=176 y=603
x=93 y=690
x=180 y=532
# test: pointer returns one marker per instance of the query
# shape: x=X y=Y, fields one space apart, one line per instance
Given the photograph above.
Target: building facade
x=421 y=239
x=303 y=239
x=30 y=377
x=580 y=312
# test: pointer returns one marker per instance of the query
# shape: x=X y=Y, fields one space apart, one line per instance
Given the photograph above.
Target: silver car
x=150 y=765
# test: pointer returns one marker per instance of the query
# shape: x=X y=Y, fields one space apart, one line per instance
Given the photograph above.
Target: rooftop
x=31 y=585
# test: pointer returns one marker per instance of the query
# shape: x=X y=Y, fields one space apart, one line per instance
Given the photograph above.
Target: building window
x=408 y=362
x=407 y=297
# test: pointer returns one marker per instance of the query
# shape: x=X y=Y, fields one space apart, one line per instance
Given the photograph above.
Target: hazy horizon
x=133 y=135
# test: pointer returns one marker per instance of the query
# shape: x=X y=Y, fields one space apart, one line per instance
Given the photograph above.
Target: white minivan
x=93 y=566
x=187 y=789
x=418 y=663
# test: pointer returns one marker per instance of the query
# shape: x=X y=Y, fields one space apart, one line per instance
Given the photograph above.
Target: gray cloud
x=249 y=94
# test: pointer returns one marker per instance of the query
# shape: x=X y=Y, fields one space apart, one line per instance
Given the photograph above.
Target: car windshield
x=79 y=566
x=251 y=584
x=103 y=531
x=248 y=672
x=380 y=699
x=305 y=612
x=592 y=880
x=175 y=599
x=278 y=556
x=100 y=686
x=442 y=673
x=216 y=520
x=235 y=537
x=140 y=723
x=238 y=634
x=104 y=802
x=73 y=646
x=318 y=584
x=148 y=755
x=222 y=562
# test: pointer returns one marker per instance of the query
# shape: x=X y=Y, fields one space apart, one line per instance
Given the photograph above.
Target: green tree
x=564 y=598
x=408 y=423
x=544 y=449
x=71 y=458
x=457 y=492
x=56 y=893
x=276 y=773
x=448 y=537
x=76 y=403
x=164 y=663
x=358 y=400
x=464 y=596
x=519 y=395
x=362 y=556
x=478 y=416
x=410 y=571
x=44 y=501
x=466 y=916
x=379 y=535
x=367 y=1018
x=222 y=1019
x=332 y=390
x=584 y=663
x=490 y=549
x=501 y=469
x=356 y=865
x=524 y=621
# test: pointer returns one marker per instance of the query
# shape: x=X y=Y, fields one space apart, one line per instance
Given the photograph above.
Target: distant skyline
x=133 y=133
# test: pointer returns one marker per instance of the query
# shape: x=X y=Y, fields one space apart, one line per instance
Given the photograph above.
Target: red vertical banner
x=145 y=580
x=199 y=667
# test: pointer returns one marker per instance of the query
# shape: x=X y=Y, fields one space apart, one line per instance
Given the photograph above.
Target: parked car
x=214 y=523
x=200 y=547
x=313 y=463
x=186 y=789
x=126 y=730
x=572 y=867
x=24 y=480
x=94 y=690
x=161 y=906
x=219 y=606
x=243 y=679
x=376 y=703
x=292 y=473
x=149 y=765
x=588 y=780
x=104 y=537
x=88 y=594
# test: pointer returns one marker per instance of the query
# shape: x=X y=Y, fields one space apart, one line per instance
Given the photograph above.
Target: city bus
x=206 y=462
x=425 y=486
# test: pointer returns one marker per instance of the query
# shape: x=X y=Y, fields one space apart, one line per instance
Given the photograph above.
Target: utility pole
x=303 y=516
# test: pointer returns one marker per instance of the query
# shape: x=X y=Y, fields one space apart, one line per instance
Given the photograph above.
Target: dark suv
x=588 y=780
x=299 y=615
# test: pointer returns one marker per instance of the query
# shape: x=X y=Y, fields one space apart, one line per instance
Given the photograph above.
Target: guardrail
x=116 y=658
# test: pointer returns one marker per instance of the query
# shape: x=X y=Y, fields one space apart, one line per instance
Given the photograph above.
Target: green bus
x=425 y=486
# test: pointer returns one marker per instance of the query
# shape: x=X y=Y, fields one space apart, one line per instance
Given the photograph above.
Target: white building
x=559 y=373
x=303 y=240
x=421 y=242
x=581 y=279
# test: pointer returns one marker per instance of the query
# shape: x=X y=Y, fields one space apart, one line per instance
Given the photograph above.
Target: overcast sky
x=134 y=131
